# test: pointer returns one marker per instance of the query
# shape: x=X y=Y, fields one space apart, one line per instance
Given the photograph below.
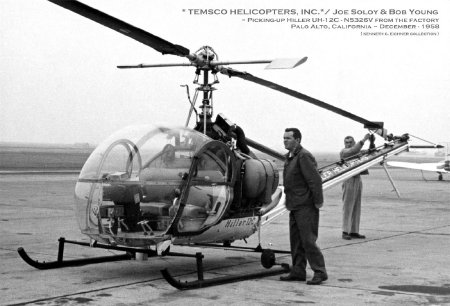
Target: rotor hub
x=205 y=55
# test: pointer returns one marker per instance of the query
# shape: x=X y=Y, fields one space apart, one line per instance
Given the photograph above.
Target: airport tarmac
x=404 y=260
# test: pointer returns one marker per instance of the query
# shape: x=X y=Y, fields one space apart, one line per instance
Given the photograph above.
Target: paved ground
x=404 y=260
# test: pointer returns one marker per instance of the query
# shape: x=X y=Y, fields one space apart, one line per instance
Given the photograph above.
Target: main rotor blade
x=264 y=149
x=154 y=65
x=286 y=63
x=279 y=63
x=247 y=76
x=122 y=27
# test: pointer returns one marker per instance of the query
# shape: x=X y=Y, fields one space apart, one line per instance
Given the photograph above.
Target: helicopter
x=147 y=188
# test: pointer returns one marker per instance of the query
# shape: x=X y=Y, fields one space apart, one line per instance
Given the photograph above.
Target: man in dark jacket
x=304 y=197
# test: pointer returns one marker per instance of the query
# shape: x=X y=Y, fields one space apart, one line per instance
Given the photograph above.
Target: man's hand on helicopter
x=367 y=136
x=362 y=141
x=371 y=138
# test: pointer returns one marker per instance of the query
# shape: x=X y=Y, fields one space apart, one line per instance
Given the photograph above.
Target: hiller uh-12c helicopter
x=146 y=188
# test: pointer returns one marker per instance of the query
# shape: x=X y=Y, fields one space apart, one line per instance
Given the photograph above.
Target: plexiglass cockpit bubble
x=130 y=181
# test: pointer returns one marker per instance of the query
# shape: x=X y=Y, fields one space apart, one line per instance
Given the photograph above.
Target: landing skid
x=61 y=263
x=201 y=282
x=267 y=260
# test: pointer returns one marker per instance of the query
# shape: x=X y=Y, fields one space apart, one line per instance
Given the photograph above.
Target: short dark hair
x=296 y=132
x=349 y=137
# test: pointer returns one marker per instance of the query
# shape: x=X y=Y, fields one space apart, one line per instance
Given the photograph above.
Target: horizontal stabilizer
x=433 y=167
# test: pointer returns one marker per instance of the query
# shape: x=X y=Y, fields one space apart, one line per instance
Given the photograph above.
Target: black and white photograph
x=225 y=152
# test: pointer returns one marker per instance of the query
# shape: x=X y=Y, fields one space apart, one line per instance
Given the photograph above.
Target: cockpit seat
x=198 y=197
x=192 y=217
x=162 y=174
x=159 y=185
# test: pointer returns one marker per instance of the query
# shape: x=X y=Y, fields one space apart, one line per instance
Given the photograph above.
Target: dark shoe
x=290 y=278
x=346 y=236
x=317 y=279
x=357 y=236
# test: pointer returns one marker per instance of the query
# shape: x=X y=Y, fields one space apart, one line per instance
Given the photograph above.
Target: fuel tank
x=260 y=180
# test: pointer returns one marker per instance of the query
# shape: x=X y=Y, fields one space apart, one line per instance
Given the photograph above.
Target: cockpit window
x=138 y=147
x=131 y=180
x=172 y=157
x=210 y=190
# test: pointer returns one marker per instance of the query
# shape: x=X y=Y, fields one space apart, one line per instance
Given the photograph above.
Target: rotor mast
x=207 y=107
x=203 y=58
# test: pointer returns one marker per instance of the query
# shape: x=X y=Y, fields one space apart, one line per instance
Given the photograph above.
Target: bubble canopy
x=130 y=189
x=135 y=147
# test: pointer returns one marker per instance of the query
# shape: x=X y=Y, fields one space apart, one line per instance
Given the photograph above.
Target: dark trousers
x=303 y=232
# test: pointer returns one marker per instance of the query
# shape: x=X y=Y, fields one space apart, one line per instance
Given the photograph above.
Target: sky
x=59 y=81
